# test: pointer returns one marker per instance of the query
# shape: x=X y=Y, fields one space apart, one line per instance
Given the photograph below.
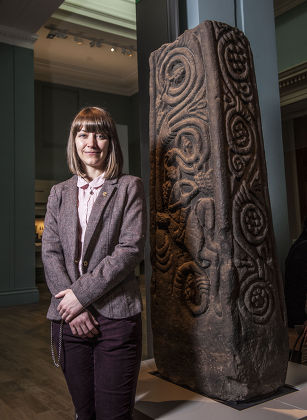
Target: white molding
x=84 y=78
x=98 y=25
x=117 y=12
x=294 y=97
x=293 y=84
x=13 y=36
x=116 y=17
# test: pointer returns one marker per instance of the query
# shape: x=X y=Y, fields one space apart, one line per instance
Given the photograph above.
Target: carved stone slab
x=217 y=298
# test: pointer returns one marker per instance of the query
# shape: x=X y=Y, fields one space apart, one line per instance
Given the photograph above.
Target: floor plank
x=30 y=386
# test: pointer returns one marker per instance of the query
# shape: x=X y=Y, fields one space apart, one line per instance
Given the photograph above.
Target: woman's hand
x=84 y=325
x=69 y=306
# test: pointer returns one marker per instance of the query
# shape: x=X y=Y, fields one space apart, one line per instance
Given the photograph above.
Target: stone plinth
x=218 y=313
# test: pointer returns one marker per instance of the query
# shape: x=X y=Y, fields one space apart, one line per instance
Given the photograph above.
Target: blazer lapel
x=70 y=216
x=99 y=206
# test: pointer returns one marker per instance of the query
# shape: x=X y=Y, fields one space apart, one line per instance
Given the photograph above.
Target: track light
x=61 y=35
x=54 y=32
x=78 y=40
x=95 y=43
x=127 y=51
x=51 y=35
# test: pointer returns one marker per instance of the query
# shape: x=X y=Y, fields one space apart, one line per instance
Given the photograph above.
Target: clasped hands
x=81 y=322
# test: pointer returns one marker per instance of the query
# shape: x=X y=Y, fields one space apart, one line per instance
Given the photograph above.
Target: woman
x=93 y=239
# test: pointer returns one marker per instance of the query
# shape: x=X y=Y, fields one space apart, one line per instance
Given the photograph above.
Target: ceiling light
x=61 y=35
x=51 y=35
x=95 y=43
x=78 y=40
x=127 y=51
x=81 y=39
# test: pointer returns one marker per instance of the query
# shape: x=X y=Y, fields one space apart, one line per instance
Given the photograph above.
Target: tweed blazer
x=113 y=245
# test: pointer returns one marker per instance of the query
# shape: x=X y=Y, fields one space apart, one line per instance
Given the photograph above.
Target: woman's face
x=92 y=149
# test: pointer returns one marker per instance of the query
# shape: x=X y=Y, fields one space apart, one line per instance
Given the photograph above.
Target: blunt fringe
x=99 y=121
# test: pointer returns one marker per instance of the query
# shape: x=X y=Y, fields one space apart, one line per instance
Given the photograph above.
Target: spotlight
x=51 y=35
x=61 y=35
x=127 y=51
x=78 y=40
x=95 y=43
x=112 y=49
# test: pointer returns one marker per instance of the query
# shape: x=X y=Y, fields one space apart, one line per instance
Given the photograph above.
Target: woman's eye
x=100 y=137
x=81 y=135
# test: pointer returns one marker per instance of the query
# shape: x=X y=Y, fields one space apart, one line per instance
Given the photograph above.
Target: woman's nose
x=91 y=139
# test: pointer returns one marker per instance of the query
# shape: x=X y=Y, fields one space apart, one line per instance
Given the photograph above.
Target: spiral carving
x=253 y=223
x=256 y=299
x=234 y=63
x=193 y=286
x=177 y=77
x=250 y=220
x=241 y=138
x=192 y=146
x=163 y=251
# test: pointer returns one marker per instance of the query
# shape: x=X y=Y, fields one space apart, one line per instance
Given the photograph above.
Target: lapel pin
x=104 y=193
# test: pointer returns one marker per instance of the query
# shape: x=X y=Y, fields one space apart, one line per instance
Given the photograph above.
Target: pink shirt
x=87 y=194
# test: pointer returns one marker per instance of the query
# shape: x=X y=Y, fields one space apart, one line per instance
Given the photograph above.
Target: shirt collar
x=95 y=183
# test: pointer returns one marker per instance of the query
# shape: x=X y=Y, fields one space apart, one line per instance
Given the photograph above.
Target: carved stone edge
x=17 y=37
x=293 y=84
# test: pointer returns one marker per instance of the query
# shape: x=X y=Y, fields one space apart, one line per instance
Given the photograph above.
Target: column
x=17 y=284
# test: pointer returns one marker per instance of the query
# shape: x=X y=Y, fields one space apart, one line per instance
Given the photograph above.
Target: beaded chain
x=57 y=363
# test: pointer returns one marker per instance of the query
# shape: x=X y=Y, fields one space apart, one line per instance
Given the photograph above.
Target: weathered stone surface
x=217 y=298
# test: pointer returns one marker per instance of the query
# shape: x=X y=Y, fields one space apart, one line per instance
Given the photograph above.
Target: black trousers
x=101 y=372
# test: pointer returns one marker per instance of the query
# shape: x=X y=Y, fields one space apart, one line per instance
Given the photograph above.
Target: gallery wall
x=17 y=281
x=55 y=107
x=291 y=39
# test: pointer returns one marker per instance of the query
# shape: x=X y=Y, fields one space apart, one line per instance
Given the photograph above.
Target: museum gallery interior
x=209 y=98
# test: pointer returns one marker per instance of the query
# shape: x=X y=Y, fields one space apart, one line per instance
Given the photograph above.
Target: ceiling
x=19 y=20
x=27 y=23
x=110 y=22
x=64 y=61
x=20 y=15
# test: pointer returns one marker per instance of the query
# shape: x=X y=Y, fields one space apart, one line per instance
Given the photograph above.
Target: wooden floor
x=30 y=386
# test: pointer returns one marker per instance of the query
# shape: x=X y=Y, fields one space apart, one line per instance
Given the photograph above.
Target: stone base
x=160 y=399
